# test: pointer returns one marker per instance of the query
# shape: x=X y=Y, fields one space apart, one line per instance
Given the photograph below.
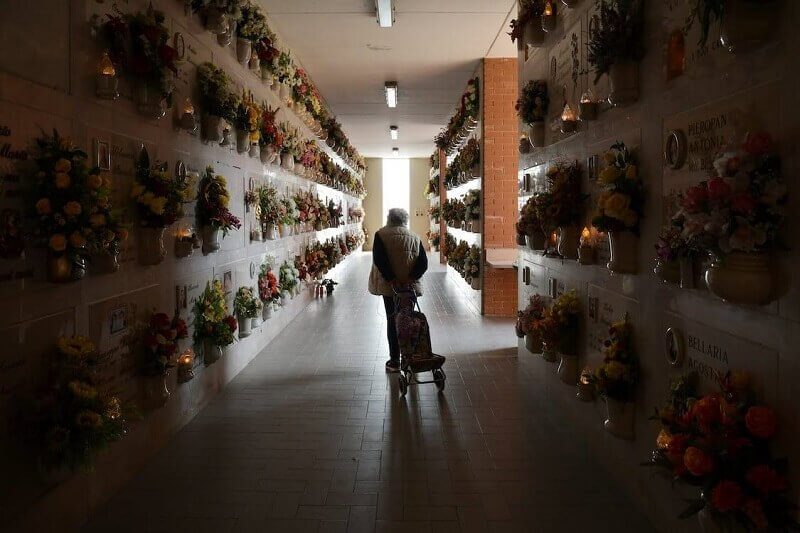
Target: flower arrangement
x=529 y=10
x=212 y=203
x=530 y=320
x=271 y=134
x=434 y=238
x=286 y=70
x=533 y=102
x=742 y=207
x=472 y=263
x=231 y=8
x=561 y=330
x=529 y=221
x=720 y=442
x=159 y=196
x=217 y=96
x=291 y=140
x=617 y=377
x=289 y=277
x=248 y=117
x=161 y=338
x=245 y=303
x=290 y=215
x=211 y=319
x=355 y=214
x=270 y=212
x=71 y=201
x=564 y=198
x=309 y=155
x=464 y=119
x=72 y=418
x=269 y=291
x=252 y=23
x=138 y=46
x=472 y=205
x=619 y=36
x=621 y=203
x=268 y=53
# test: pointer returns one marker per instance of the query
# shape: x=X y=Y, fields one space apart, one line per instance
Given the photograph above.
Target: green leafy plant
x=619 y=36
x=245 y=303
x=252 y=24
x=217 y=96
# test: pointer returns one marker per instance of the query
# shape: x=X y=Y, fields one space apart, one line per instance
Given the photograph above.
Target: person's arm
x=381 y=260
x=421 y=264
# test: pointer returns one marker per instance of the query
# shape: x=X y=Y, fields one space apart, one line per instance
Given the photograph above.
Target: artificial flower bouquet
x=291 y=140
x=270 y=207
x=247 y=119
x=528 y=318
x=286 y=70
x=619 y=37
x=616 y=378
x=533 y=103
x=565 y=198
x=73 y=418
x=245 y=304
x=269 y=291
x=212 y=203
x=211 y=319
x=217 y=96
x=161 y=340
x=159 y=196
x=562 y=334
x=271 y=134
x=720 y=442
x=252 y=24
x=620 y=205
x=290 y=215
x=289 y=277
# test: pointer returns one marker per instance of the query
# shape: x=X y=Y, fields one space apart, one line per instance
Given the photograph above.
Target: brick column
x=499 y=142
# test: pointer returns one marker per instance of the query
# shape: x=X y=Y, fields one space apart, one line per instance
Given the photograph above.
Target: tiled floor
x=313 y=436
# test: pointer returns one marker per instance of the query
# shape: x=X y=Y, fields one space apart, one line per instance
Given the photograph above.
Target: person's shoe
x=392 y=366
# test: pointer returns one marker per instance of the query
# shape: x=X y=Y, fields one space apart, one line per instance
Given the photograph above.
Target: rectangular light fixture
x=394 y=132
x=391 y=93
x=384 y=11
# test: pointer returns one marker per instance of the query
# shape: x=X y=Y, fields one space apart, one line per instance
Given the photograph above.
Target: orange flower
x=58 y=242
x=707 y=411
x=62 y=180
x=766 y=479
x=761 y=422
x=76 y=240
x=94 y=181
x=43 y=206
x=97 y=220
x=698 y=462
x=72 y=208
x=726 y=496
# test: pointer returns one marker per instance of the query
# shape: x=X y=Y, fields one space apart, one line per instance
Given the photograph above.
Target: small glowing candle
x=106 y=80
x=586 y=251
x=186 y=366
x=585 y=235
x=548 y=9
x=569 y=120
x=549 y=16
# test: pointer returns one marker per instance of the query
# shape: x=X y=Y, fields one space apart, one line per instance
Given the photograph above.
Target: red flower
x=168 y=55
x=761 y=422
x=758 y=143
x=766 y=479
x=727 y=496
x=718 y=189
x=231 y=322
x=698 y=462
x=743 y=204
x=160 y=321
x=706 y=411
x=755 y=512
x=695 y=198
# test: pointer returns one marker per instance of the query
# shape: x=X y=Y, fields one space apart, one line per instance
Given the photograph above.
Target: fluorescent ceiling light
x=391 y=93
x=394 y=132
x=384 y=10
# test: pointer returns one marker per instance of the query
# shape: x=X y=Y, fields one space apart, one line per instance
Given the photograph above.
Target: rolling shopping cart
x=413 y=335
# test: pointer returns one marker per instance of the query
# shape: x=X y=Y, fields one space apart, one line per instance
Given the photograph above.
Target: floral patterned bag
x=412 y=328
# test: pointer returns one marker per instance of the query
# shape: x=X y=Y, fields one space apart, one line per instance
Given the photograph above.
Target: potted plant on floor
x=620 y=207
x=565 y=313
x=217 y=100
x=212 y=211
x=616 y=47
x=213 y=326
x=159 y=199
x=268 y=290
x=246 y=307
x=617 y=377
x=532 y=110
x=720 y=442
x=161 y=343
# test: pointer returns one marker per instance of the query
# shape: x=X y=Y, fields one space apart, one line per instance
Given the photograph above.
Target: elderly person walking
x=398 y=260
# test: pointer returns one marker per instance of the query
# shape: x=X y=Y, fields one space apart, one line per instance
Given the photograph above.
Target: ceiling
x=432 y=50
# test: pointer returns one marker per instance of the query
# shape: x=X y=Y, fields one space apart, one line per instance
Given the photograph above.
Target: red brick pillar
x=499 y=141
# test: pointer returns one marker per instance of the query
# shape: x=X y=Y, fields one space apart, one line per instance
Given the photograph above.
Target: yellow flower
x=43 y=206
x=222 y=181
x=62 y=180
x=72 y=208
x=63 y=165
x=106 y=177
x=58 y=242
x=617 y=203
x=224 y=200
x=75 y=346
x=609 y=158
x=97 y=220
x=94 y=181
x=88 y=419
x=157 y=205
x=609 y=175
x=82 y=390
x=76 y=240
x=631 y=172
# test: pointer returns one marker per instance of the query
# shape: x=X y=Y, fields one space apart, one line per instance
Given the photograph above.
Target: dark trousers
x=391 y=330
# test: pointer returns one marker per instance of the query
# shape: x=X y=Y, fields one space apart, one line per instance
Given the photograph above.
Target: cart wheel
x=438 y=377
x=403 y=384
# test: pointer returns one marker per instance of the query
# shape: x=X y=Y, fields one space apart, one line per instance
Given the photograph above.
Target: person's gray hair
x=397 y=217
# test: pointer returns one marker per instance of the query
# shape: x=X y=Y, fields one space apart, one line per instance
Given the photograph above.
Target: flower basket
x=741 y=278
x=151 y=246
x=536 y=134
x=210 y=237
x=624 y=81
x=623 y=245
x=619 y=418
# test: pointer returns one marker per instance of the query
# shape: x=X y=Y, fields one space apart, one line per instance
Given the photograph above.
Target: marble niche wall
x=712 y=96
x=47 y=81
